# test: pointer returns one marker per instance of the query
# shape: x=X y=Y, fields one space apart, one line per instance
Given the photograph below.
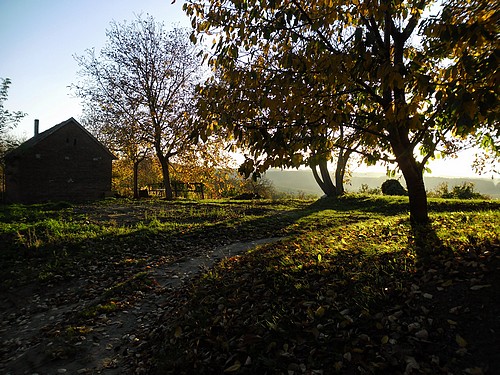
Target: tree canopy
x=143 y=79
x=8 y=119
x=292 y=71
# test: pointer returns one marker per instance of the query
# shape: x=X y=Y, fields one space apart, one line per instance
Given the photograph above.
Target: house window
x=38 y=156
x=74 y=142
x=66 y=158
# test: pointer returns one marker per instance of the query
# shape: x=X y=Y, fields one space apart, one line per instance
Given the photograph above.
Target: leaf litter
x=341 y=300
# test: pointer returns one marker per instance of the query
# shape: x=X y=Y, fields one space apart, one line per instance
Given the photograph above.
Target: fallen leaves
x=478 y=287
x=346 y=311
x=343 y=294
x=460 y=341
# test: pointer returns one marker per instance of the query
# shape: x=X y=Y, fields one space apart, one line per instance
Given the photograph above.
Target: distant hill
x=302 y=181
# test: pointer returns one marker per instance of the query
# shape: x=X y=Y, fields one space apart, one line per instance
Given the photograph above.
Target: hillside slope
x=295 y=181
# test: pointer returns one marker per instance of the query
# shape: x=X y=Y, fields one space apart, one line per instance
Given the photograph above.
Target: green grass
x=321 y=300
x=338 y=294
x=54 y=240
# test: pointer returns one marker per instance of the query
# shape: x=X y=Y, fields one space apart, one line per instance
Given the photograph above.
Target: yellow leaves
x=178 y=332
x=320 y=311
x=447 y=283
x=233 y=368
x=415 y=123
x=297 y=159
x=485 y=16
x=460 y=341
x=397 y=80
x=470 y=108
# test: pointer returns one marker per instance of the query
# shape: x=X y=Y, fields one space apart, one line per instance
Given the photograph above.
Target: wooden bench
x=178 y=188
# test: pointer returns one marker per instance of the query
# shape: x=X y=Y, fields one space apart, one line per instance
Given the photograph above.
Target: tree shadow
x=263 y=219
x=427 y=244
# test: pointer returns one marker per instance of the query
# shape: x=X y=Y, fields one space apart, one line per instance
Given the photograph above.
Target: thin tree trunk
x=165 y=163
x=166 y=179
x=340 y=170
x=324 y=181
x=136 y=178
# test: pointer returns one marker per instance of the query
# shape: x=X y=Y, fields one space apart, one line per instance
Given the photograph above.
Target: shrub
x=464 y=191
x=393 y=187
x=365 y=189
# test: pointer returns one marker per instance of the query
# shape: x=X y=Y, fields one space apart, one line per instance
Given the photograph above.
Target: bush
x=464 y=191
x=365 y=189
x=262 y=188
x=393 y=187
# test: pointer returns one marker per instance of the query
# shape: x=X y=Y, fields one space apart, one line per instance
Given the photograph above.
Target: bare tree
x=144 y=79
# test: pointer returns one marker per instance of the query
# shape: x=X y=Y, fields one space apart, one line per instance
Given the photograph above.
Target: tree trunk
x=414 y=180
x=400 y=142
x=340 y=170
x=136 y=178
x=416 y=190
x=164 y=163
x=324 y=181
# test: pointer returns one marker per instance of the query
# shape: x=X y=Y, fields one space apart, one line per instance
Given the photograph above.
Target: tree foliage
x=8 y=119
x=143 y=79
x=302 y=69
x=124 y=137
x=465 y=190
x=467 y=37
x=208 y=163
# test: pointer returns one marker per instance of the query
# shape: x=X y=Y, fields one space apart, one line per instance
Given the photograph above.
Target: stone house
x=63 y=163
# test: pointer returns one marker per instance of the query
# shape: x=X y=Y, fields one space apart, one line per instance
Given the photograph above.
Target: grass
x=337 y=296
x=54 y=240
x=344 y=291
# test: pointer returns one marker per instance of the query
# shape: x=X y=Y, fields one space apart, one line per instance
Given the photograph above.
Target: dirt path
x=37 y=334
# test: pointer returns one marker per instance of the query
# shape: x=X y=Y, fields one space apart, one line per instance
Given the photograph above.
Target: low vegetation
x=464 y=191
x=346 y=294
x=344 y=290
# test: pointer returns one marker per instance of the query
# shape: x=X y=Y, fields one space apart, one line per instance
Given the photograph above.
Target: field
x=145 y=287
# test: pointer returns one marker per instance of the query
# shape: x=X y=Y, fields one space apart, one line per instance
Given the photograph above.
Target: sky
x=39 y=39
x=38 y=42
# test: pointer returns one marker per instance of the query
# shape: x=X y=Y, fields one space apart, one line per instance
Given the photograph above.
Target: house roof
x=43 y=135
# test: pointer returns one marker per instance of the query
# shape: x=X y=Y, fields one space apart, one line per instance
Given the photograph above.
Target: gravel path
x=37 y=335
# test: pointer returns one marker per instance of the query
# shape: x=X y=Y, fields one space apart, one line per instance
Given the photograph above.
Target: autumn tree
x=144 y=78
x=276 y=130
x=207 y=162
x=8 y=119
x=360 y=60
x=466 y=37
x=120 y=133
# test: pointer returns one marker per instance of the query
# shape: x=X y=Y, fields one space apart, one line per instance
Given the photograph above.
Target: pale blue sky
x=38 y=39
